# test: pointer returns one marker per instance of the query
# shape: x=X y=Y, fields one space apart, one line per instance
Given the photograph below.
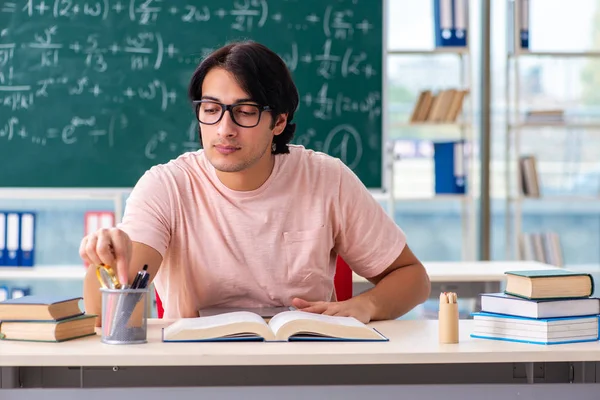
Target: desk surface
x=473 y=271
x=411 y=342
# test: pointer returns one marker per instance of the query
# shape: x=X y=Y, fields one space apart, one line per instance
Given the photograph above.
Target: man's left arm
x=398 y=289
x=401 y=287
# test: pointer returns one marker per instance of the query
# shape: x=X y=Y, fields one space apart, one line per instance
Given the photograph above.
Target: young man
x=250 y=221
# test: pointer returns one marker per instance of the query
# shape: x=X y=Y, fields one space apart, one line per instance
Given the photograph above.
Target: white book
x=284 y=326
x=501 y=303
x=535 y=331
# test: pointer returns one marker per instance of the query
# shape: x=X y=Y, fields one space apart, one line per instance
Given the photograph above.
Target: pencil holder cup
x=448 y=323
x=124 y=316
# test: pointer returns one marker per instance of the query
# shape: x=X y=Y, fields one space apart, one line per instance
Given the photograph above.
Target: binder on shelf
x=3 y=251
x=13 y=226
x=27 y=239
x=522 y=26
x=451 y=22
x=3 y=293
x=449 y=167
x=95 y=220
x=18 y=292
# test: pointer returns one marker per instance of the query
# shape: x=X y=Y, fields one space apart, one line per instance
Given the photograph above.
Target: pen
x=127 y=303
x=144 y=281
x=139 y=276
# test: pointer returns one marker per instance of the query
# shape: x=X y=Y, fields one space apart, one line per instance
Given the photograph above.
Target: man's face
x=228 y=146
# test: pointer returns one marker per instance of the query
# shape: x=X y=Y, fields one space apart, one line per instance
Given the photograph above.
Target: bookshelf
x=517 y=175
x=461 y=127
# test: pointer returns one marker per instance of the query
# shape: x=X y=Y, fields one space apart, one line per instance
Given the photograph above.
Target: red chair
x=342 y=282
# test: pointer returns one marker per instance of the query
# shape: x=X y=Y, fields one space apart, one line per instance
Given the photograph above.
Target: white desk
x=411 y=342
x=412 y=356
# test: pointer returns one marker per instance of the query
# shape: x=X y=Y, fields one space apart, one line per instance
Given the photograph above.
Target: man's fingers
x=82 y=251
x=331 y=311
x=301 y=303
x=104 y=248
x=90 y=249
x=122 y=250
x=317 y=309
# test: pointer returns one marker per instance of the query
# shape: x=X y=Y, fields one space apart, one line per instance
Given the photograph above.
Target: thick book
x=41 y=308
x=49 y=331
x=284 y=326
x=502 y=303
x=549 y=284
x=545 y=331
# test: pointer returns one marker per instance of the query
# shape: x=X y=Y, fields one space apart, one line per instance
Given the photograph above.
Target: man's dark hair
x=262 y=74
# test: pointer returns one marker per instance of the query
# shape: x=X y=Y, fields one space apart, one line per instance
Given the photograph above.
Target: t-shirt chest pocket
x=307 y=255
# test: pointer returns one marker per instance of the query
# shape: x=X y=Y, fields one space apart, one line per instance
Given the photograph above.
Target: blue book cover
x=449 y=167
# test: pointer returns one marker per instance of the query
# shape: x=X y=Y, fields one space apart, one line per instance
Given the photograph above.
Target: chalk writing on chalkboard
x=112 y=75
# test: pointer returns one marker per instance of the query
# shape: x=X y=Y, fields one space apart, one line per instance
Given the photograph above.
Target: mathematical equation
x=343 y=142
x=328 y=107
x=243 y=16
x=146 y=50
x=134 y=58
x=23 y=97
x=91 y=128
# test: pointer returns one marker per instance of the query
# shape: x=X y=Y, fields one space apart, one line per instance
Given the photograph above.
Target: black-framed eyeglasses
x=246 y=115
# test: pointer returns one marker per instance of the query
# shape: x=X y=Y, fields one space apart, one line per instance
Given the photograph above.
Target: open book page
x=292 y=323
x=230 y=324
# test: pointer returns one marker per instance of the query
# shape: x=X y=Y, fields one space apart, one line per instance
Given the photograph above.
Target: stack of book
x=445 y=106
x=44 y=319
x=541 y=307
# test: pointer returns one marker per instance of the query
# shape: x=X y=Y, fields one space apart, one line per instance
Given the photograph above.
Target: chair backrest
x=342 y=282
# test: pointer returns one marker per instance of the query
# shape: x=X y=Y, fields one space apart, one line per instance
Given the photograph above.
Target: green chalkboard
x=93 y=92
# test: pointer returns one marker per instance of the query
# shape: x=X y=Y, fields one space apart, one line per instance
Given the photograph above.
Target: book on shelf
x=544 y=331
x=284 y=326
x=40 y=308
x=502 y=303
x=528 y=173
x=545 y=116
x=544 y=247
x=445 y=106
x=48 y=330
x=549 y=284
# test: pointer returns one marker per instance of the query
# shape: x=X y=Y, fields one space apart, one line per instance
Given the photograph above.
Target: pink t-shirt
x=261 y=248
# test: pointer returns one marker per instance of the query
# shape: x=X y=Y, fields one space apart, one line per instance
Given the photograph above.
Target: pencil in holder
x=124 y=316
x=448 y=318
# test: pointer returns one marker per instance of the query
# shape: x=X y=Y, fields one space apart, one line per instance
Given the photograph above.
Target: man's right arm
x=148 y=221
x=113 y=247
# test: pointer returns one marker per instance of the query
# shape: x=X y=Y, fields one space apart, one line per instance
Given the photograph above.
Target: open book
x=285 y=326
